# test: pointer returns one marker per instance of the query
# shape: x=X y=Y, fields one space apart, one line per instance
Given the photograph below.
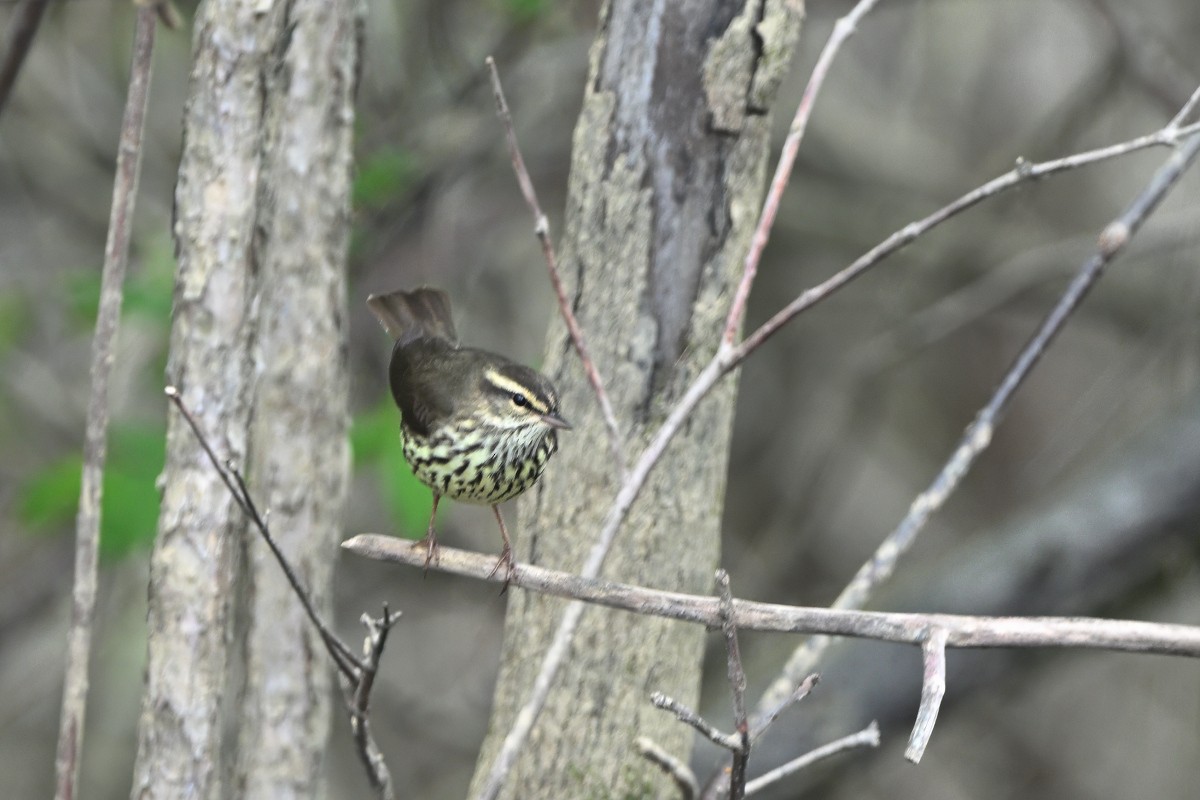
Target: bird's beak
x=555 y=421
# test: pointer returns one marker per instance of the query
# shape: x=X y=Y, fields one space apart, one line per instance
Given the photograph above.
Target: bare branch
x=901 y=628
x=542 y=230
x=684 y=779
x=933 y=689
x=95 y=445
x=867 y=737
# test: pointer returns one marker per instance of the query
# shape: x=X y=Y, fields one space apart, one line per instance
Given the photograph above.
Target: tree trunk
x=236 y=702
x=667 y=172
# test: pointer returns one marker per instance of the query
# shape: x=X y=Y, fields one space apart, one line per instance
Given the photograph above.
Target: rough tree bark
x=667 y=173
x=237 y=694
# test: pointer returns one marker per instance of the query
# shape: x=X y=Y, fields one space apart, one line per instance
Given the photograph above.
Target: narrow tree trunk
x=258 y=352
x=667 y=173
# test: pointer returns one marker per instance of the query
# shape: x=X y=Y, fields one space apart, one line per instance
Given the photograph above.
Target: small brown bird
x=476 y=426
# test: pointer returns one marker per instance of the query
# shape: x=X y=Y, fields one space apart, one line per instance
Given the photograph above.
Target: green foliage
x=382 y=177
x=129 y=507
x=375 y=444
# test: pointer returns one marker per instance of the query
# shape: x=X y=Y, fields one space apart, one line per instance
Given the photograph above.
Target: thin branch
x=978 y=435
x=685 y=779
x=933 y=689
x=347 y=663
x=542 y=229
x=737 y=685
x=730 y=742
x=95 y=446
x=867 y=737
x=21 y=30
x=842 y=31
x=900 y=628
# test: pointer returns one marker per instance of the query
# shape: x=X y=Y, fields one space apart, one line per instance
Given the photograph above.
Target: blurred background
x=1088 y=501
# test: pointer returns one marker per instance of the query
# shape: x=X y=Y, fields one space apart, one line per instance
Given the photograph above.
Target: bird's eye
x=520 y=400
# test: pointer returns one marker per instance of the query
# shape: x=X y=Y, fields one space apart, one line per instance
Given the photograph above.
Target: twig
x=541 y=228
x=737 y=685
x=842 y=31
x=900 y=628
x=683 y=776
x=933 y=689
x=21 y=30
x=359 y=693
x=95 y=445
x=978 y=435
x=867 y=737
x=347 y=663
x=702 y=726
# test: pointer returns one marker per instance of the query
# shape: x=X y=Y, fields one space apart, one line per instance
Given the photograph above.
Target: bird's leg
x=430 y=541
x=506 y=556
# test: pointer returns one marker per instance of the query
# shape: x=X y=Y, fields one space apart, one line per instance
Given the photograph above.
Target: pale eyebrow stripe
x=508 y=385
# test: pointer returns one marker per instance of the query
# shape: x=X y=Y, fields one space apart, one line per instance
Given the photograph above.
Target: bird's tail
x=421 y=313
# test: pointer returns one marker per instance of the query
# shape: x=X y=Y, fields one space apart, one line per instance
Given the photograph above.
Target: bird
x=476 y=426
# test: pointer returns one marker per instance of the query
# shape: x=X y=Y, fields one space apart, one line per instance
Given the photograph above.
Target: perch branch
x=95 y=444
x=899 y=628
